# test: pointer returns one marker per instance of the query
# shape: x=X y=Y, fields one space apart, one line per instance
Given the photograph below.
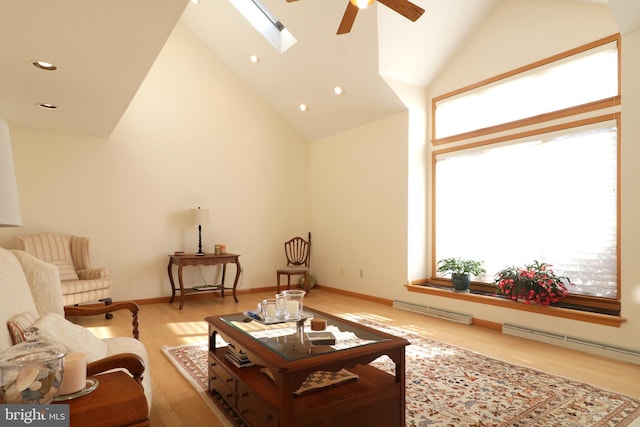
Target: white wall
x=194 y=135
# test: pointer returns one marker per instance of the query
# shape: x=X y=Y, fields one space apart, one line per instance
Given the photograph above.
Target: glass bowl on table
x=31 y=372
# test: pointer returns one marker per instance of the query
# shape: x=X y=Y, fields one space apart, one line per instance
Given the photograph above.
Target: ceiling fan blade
x=404 y=8
x=348 y=18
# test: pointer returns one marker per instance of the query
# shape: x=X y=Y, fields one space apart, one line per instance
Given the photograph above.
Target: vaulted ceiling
x=104 y=49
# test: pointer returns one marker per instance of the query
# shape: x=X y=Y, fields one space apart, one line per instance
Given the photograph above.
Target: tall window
x=551 y=198
x=537 y=191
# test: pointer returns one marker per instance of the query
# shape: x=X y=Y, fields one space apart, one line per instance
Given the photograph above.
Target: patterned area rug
x=451 y=386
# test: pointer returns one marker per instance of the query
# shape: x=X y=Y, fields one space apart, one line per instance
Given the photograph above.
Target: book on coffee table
x=238 y=358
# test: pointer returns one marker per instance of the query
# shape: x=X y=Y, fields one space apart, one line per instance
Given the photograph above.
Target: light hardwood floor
x=175 y=403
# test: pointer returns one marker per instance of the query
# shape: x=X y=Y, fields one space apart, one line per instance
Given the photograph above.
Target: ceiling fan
x=403 y=7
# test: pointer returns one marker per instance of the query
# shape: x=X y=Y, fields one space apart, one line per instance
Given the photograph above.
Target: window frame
x=565 y=119
x=533 y=120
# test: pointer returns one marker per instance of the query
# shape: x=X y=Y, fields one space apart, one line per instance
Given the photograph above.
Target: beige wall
x=194 y=135
x=359 y=208
x=630 y=244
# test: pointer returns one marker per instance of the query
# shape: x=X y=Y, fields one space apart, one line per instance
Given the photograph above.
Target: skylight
x=266 y=23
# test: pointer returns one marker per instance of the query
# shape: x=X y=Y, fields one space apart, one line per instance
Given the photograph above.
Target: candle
x=281 y=305
x=268 y=309
x=74 y=377
x=271 y=311
x=292 y=308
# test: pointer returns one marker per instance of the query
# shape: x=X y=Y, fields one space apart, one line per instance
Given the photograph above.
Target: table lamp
x=9 y=205
x=200 y=216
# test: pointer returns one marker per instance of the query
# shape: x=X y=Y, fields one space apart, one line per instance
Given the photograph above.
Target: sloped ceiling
x=381 y=42
x=104 y=50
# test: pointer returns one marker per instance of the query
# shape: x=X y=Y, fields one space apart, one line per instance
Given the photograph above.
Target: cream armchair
x=31 y=296
x=80 y=281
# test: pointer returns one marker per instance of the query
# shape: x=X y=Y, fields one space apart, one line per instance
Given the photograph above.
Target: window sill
x=567 y=313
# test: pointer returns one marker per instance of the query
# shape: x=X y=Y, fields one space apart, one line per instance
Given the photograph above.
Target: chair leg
x=278 y=285
x=107 y=301
x=306 y=283
x=288 y=281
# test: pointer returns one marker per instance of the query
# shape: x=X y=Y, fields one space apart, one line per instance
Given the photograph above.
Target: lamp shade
x=200 y=216
x=9 y=205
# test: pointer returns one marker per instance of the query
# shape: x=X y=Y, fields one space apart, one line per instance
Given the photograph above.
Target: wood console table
x=206 y=259
x=376 y=399
x=117 y=401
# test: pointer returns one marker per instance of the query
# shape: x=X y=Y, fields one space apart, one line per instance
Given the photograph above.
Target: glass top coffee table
x=282 y=360
x=291 y=339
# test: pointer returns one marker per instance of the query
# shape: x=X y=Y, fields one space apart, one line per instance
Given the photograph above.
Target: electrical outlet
x=361 y=273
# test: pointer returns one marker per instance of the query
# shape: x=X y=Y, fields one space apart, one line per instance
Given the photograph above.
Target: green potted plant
x=535 y=283
x=461 y=270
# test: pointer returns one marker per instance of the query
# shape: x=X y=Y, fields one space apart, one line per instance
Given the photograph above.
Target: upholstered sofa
x=81 y=282
x=31 y=296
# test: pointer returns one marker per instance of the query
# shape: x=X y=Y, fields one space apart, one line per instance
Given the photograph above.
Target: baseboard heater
x=434 y=312
x=623 y=354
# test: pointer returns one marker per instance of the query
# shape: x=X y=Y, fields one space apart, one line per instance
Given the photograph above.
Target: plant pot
x=460 y=282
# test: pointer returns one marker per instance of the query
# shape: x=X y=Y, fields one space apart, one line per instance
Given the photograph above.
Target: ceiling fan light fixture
x=361 y=4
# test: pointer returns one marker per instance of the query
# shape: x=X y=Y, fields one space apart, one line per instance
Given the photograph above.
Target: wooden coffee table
x=375 y=399
x=117 y=401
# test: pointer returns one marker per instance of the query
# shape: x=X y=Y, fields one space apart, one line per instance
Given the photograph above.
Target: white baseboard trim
x=434 y=312
x=623 y=354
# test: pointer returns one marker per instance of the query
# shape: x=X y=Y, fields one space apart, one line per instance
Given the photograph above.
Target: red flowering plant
x=535 y=283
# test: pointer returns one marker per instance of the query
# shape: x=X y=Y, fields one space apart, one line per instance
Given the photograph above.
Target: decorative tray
x=255 y=316
x=321 y=338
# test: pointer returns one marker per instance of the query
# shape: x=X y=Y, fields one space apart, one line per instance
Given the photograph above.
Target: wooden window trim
x=604 y=305
x=605 y=310
x=423 y=287
x=535 y=119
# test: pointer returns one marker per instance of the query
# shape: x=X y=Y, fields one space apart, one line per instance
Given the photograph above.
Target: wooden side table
x=117 y=401
x=206 y=259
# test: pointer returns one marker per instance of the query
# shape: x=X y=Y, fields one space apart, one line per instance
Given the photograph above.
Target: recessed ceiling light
x=47 y=106
x=254 y=58
x=44 y=65
x=338 y=90
x=195 y=1
x=303 y=107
